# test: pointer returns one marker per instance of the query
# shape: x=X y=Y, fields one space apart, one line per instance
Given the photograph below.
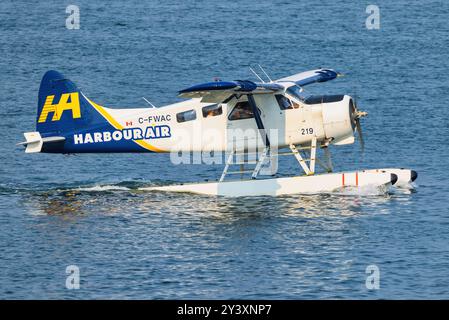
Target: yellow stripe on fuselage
x=118 y=126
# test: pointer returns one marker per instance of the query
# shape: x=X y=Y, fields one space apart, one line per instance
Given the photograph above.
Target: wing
x=219 y=91
x=308 y=77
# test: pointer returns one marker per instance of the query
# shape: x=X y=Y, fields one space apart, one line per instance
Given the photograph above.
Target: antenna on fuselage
x=152 y=105
x=252 y=70
x=260 y=67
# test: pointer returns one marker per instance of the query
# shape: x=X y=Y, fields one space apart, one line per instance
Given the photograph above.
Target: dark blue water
x=86 y=210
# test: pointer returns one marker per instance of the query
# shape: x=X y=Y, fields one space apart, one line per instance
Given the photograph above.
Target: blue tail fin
x=62 y=108
x=68 y=122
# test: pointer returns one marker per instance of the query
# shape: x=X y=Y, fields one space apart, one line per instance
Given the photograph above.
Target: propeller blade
x=359 y=131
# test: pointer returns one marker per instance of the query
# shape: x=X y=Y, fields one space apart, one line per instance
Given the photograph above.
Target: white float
x=319 y=183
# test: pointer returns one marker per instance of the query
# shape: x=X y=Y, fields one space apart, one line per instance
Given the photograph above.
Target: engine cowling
x=338 y=121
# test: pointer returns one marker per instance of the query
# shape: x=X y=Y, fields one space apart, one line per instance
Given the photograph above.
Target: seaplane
x=244 y=123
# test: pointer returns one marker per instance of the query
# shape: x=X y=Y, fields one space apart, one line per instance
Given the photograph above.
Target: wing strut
x=258 y=119
x=262 y=131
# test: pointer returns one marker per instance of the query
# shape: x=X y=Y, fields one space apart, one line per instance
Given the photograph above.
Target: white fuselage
x=187 y=126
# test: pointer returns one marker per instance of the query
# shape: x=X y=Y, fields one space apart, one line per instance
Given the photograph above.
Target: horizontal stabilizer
x=34 y=141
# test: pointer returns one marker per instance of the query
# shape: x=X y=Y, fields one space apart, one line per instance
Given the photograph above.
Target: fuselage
x=197 y=126
x=218 y=116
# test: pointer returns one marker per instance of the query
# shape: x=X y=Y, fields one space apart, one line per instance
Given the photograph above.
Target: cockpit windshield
x=295 y=91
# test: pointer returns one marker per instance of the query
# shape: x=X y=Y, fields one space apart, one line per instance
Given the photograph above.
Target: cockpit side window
x=284 y=102
x=297 y=93
x=295 y=105
x=242 y=110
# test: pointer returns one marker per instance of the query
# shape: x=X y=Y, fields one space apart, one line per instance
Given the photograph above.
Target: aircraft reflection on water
x=118 y=200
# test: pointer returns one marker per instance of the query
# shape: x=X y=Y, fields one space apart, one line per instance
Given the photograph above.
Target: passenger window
x=212 y=111
x=284 y=102
x=242 y=110
x=186 y=116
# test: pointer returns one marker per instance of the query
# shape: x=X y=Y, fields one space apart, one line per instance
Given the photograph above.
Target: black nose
x=414 y=175
x=394 y=178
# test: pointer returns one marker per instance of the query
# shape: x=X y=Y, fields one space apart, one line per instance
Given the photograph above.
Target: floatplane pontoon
x=254 y=123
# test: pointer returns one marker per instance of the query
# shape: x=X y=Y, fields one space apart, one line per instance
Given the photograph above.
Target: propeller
x=356 y=116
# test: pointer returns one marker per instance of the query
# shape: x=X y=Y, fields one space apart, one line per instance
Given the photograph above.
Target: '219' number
x=305 y=131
